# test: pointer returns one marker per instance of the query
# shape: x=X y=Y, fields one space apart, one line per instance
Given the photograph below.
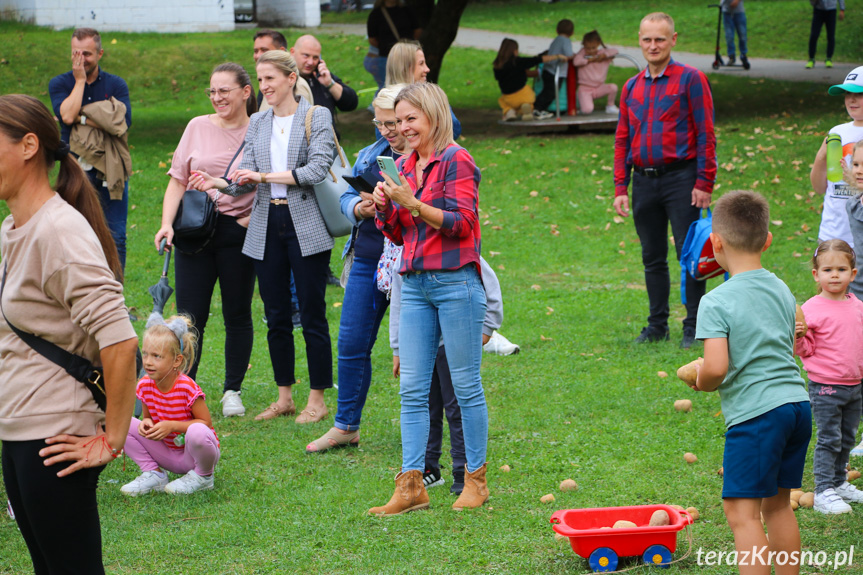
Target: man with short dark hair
x=327 y=89
x=266 y=40
x=85 y=84
x=665 y=134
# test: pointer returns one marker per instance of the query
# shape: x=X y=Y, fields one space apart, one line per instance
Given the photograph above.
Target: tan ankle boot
x=475 y=491
x=410 y=495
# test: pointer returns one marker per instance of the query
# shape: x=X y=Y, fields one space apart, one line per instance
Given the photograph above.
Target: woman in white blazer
x=286 y=231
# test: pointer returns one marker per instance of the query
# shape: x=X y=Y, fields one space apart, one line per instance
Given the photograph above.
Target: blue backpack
x=696 y=257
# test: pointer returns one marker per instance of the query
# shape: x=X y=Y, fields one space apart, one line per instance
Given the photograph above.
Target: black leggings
x=822 y=18
x=196 y=275
x=58 y=517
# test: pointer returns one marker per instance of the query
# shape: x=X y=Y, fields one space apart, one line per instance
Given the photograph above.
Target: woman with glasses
x=208 y=146
x=364 y=305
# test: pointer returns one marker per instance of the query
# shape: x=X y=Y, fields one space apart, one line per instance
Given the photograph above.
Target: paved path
x=791 y=70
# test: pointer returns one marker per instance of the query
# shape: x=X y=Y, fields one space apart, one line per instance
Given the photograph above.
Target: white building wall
x=127 y=15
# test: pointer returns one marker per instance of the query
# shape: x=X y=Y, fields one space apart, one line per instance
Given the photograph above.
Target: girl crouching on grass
x=175 y=432
x=832 y=353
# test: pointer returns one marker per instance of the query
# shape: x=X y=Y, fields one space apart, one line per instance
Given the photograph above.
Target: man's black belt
x=657 y=171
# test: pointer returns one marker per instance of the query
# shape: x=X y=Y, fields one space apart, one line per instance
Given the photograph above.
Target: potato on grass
x=690 y=457
x=688 y=373
x=547 y=498
x=794 y=505
x=807 y=500
x=852 y=475
x=568 y=485
x=505 y=468
x=693 y=512
x=795 y=494
x=683 y=405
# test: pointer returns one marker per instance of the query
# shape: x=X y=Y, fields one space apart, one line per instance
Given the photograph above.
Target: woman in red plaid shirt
x=432 y=211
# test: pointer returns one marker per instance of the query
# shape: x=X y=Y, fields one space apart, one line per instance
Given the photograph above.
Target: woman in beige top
x=60 y=275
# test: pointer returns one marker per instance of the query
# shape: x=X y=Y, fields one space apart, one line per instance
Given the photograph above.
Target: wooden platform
x=596 y=120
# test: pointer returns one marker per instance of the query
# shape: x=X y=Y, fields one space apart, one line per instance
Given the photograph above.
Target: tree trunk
x=440 y=25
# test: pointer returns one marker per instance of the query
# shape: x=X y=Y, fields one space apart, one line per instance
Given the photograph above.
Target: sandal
x=334 y=439
x=312 y=415
x=275 y=411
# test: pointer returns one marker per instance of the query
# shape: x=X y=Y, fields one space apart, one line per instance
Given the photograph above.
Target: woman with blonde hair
x=61 y=279
x=407 y=65
x=286 y=230
x=433 y=211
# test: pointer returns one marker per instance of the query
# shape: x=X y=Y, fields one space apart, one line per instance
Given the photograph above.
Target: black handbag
x=195 y=222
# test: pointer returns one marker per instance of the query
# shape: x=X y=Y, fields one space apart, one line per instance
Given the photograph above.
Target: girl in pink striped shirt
x=175 y=432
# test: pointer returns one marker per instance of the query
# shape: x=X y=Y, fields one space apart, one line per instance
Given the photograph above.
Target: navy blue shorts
x=767 y=452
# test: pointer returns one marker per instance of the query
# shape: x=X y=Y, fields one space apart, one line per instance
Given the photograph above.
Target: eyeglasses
x=391 y=126
x=223 y=92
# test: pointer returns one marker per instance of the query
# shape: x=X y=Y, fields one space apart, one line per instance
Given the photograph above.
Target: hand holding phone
x=388 y=166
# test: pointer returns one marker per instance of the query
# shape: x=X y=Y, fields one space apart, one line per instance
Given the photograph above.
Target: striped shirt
x=450 y=183
x=174 y=405
x=664 y=120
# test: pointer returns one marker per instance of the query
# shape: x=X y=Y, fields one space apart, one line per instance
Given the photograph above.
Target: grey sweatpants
x=836 y=410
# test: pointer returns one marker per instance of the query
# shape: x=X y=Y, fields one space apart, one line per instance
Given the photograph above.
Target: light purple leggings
x=201 y=451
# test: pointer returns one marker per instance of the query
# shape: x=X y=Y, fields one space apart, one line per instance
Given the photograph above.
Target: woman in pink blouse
x=207 y=147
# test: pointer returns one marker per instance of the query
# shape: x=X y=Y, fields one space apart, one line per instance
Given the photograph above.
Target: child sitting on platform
x=511 y=72
x=592 y=62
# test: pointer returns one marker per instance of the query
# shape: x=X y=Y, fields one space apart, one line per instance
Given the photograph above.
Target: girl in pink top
x=832 y=353
x=592 y=62
x=175 y=431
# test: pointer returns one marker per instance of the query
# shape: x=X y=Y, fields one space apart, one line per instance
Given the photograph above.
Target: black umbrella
x=162 y=291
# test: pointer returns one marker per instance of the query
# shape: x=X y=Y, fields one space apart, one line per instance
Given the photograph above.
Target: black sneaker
x=651 y=335
x=688 y=338
x=457 y=481
x=745 y=62
x=332 y=279
x=432 y=478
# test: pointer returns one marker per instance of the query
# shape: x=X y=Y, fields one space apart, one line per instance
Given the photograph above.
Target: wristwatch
x=263 y=178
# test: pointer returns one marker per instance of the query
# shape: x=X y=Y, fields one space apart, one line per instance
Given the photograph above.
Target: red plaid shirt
x=664 y=120
x=450 y=183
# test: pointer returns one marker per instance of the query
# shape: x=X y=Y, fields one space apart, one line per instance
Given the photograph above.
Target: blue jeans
x=116 y=213
x=452 y=304
x=377 y=67
x=732 y=22
x=363 y=309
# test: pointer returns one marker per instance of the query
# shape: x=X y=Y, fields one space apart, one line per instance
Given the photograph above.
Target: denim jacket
x=351 y=197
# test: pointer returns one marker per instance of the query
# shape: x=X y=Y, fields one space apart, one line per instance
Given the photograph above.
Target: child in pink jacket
x=592 y=62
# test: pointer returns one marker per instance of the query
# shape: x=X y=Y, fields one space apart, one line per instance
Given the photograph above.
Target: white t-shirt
x=279 y=152
x=834 y=218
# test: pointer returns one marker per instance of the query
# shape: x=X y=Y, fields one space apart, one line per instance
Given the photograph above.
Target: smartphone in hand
x=388 y=166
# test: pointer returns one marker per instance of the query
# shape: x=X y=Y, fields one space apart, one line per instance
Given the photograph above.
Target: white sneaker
x=849 y=493
x=145 y=483
x=232 y=404
x=857 y=451
x=510 y=116
x=189 y=483
x=542 y=115
x=500 y=345
x=612 y=109
x=829 y=503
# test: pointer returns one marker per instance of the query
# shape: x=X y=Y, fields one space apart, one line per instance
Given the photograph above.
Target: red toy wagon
x=602 y=547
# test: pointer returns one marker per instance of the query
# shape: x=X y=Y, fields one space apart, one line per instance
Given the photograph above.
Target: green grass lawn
x=777 y=28
x=580 y=401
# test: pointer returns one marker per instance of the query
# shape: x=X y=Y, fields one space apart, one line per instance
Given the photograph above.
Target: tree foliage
x=439 y=21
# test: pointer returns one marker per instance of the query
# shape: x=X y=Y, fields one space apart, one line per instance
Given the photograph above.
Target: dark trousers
x=116 y=213
x=58 y=517
x=826 y=18
x=281 y=257
x=655 y=203
x=196 y=276
x=546 y=96
x=836 y=410
x=442 y=398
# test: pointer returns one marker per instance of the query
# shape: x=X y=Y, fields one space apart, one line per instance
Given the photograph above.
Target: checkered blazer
x=310 y=164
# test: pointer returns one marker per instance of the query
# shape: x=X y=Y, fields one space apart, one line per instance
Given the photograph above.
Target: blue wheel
x=658 y=556
x=603 y=560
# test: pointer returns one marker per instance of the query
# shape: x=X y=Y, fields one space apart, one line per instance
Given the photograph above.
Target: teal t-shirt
x=755 y=311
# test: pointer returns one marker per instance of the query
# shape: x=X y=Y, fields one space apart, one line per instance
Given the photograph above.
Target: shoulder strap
x=341 y=152
x=390 y=23
x=75 y=365
x=234 y=159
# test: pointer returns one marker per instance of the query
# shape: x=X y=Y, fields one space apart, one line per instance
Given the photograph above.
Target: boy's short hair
x=741 y=219
x=565 y=27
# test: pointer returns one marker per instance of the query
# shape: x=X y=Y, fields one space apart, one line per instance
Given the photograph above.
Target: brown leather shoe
x=312 y=415
x=275 y=411
x=410 y=495
x=475 y=491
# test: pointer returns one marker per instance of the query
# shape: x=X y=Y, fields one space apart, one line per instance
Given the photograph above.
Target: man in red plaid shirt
x=665 y=135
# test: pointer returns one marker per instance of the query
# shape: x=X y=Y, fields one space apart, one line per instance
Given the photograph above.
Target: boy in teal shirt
x=748 y=328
